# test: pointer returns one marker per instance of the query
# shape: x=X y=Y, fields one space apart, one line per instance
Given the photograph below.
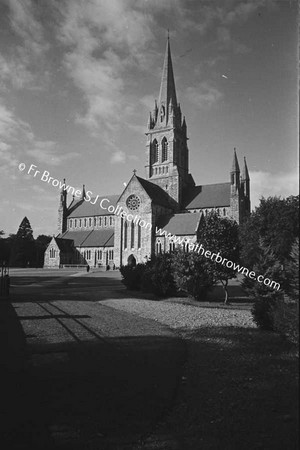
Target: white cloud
x=265 y=184
x=26 y=26
x=103 y=40
x=203 y=95
x=118 y=157
x=46 y=152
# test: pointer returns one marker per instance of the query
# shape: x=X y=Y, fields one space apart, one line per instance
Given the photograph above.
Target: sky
x=78 y=79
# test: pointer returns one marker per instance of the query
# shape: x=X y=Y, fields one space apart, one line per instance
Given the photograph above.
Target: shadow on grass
x=240 y=393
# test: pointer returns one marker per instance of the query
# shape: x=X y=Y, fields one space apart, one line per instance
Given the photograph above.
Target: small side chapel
x=167 y=198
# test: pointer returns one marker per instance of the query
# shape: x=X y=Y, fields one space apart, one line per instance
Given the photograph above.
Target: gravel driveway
x=181 y=315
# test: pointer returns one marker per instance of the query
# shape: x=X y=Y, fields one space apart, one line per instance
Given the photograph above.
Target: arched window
x=85 y=222
x=52 y=252
x=90 y=222
x=132 y=235
x=105 y=221
x=95 y=221
x=154 y=151
x=125 y=233
x=171 y=246
x=100 y=222
x=75 y=223
x=70 y=223
x=139 y=235
x=164 y=149
x=224 y=212
x=158 y=247
x=80 y=223
x=111 y=221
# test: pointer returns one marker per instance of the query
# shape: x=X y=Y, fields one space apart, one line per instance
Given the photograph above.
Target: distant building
x=90 y=231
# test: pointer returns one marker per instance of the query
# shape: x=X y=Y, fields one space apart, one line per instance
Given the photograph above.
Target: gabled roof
x=93 y=238
x=156 y=193
x=208 y=196
x=180 y=224
x=87 y=209
x=65 y=245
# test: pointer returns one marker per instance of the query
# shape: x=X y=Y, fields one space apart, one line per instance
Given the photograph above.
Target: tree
x=220 y=235
x=276 y=221
x=192 y=274
x=264 y=297
x=23 y=247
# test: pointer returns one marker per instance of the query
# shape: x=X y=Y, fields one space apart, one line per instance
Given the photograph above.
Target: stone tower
x=62 y=211
x=239 y=191
x=167 y=159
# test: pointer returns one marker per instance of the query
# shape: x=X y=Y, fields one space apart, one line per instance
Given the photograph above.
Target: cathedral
x=153 y=214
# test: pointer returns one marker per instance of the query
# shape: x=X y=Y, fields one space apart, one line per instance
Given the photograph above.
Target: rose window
x=133 y=202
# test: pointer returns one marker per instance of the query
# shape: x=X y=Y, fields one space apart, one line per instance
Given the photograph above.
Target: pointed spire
x=63 y=194
x=83 y=193
x=63 y=186
x=245 y=173
x=167 y=86
x=235 y=163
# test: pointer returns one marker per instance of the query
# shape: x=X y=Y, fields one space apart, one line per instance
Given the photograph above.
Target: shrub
x=285 y=319
x=192 y=274
x=262 y=313
x=158 y=277
x=131 y=276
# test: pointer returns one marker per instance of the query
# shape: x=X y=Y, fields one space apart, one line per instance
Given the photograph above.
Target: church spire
x=83 y=193
x=235 y=163
x=245 y=173
x=167 y=91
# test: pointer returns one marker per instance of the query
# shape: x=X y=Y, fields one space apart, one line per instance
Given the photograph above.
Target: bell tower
x=167 y=159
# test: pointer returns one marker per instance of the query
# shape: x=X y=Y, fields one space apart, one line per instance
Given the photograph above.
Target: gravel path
x=178 y=315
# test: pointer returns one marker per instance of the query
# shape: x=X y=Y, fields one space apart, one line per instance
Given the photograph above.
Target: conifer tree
x=23 y=248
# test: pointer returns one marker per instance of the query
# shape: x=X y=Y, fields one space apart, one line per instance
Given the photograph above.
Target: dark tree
x=23 y=247
x=192 y=274
x=276 y=222
x=220 y=235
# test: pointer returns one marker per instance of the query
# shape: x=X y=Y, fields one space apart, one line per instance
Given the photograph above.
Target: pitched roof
x=65 y=245
x=208 y=196
x=156 y=193
x=87 y=209
x=93 y=238
x=180 y=224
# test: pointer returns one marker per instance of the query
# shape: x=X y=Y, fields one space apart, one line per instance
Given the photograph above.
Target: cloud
x=13 y=71
x=46 y=152
x=26 y=26
x=118 y=157
x=265 y=184
x=102 y=41
x=22 y=65
x=17 y=141
x=203 y=95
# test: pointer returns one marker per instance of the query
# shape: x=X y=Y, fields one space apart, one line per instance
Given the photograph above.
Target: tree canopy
x=220 y=235
x=276 y=222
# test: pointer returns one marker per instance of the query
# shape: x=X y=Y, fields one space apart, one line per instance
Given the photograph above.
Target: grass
x=239 y=391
